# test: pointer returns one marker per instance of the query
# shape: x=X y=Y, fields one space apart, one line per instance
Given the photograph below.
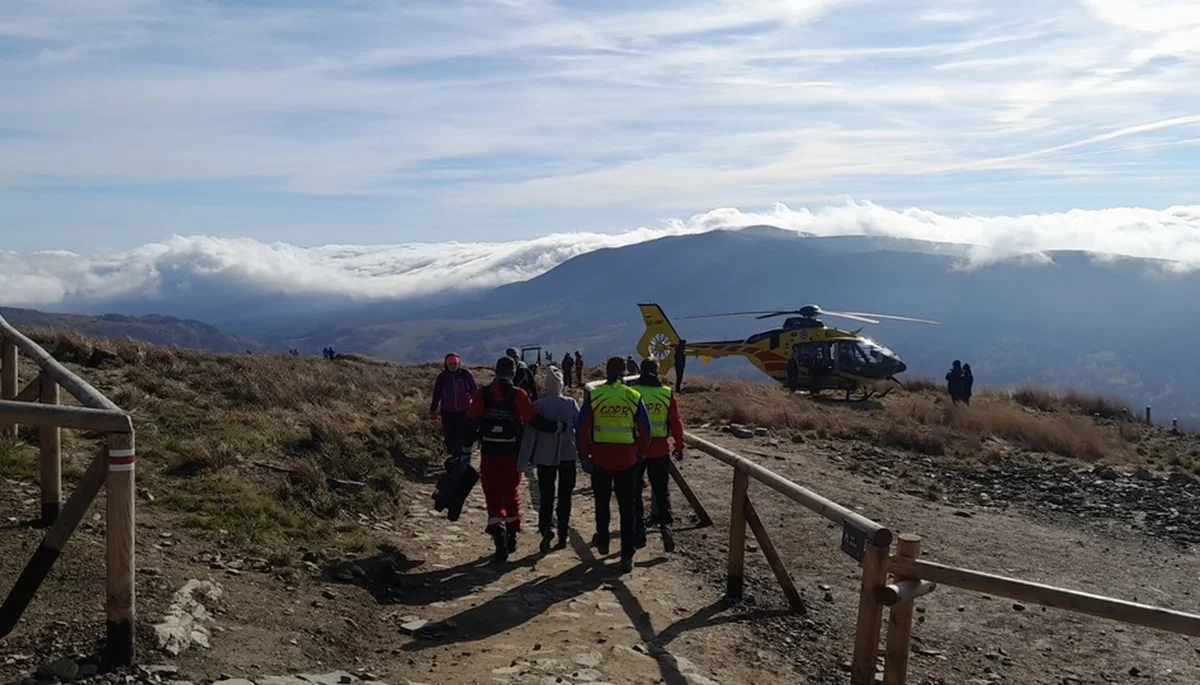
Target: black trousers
x=659 y=473
x=624 y=483
x=551 y=492
x=454 y=428
x=678 y=377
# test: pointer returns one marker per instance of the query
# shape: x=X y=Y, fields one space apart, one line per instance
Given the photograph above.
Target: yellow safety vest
x=614 y=412
x=658 y=406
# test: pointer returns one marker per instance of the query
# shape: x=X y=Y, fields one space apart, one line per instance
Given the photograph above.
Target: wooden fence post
x=690 y=495
x=773 y=559
x=737 y=536
x=899 y=635
x=8 y=379
x=50 y=439
x=870 y=614
x=120 y=550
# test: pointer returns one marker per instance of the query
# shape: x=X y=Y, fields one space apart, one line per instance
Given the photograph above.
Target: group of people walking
x=621 y=435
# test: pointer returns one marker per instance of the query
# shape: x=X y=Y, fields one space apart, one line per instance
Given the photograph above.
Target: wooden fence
x=893 y=575
x=112 y=469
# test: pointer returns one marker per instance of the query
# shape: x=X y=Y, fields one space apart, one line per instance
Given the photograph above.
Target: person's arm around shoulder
x=526 y=411
x=583 y=435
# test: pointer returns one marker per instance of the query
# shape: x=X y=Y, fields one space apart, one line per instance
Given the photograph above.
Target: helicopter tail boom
x=660 y=338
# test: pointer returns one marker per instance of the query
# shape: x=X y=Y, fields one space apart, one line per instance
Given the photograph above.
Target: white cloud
x=184 y=265
x=660 y=105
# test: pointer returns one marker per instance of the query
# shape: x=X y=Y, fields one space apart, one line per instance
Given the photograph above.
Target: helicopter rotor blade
x=771 y=315
x=709 y=316
x=849 y=315
x=892 y=317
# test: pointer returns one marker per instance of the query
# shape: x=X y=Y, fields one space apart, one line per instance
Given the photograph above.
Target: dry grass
x=254 y=445
x=1072 y=401
x=919 y=421
x=258 y=447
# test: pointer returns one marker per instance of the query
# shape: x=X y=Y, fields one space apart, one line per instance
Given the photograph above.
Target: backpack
x=500 y=428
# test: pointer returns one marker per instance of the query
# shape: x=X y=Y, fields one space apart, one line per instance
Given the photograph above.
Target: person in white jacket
x=555 y=456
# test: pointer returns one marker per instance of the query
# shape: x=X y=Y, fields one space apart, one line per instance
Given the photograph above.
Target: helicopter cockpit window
x=851 y=353
x=873 y=351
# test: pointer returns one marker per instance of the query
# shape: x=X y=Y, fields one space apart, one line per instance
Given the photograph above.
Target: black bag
x=454 y=486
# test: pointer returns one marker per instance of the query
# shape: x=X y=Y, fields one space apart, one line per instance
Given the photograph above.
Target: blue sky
x=368 y=121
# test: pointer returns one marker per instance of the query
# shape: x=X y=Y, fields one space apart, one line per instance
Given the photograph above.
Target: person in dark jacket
x=680 y=362
x=568 y=366
x=578 y=368
x=452 y=399
x=968 y=381
x=523 y=377
x=497 y=414
x=631 y=367
x=954 y=381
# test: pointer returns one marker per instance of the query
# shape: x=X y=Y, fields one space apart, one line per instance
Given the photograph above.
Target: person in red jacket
x=666 y=427
x=498 y=411
x=613 y=433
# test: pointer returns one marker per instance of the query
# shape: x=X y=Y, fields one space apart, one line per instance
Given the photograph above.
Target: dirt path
x=565 y=616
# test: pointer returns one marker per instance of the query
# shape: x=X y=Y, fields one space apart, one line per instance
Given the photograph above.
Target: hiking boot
x=547 y=540
x=512 y=541
x=601 y=545
x=668 y=539
x=501 y=548
x=639 y=538
x=562 y=541
x=627 y=565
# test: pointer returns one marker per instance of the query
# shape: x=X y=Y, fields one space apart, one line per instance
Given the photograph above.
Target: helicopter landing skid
x=858 y=394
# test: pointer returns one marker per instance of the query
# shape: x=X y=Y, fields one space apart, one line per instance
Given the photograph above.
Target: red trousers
x=502 y=489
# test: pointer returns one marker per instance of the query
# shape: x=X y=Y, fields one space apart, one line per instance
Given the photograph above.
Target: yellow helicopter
x=803 y=354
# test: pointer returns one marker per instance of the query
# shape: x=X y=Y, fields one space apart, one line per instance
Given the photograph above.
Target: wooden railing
x=892 y=579
x=112 y=469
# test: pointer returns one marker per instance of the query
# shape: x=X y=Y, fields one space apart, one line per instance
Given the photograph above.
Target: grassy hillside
x=271 y=452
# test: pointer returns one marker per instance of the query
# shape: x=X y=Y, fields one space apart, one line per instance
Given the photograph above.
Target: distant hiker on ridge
x=578 y=368
x=954 y=381
x=452 y=393
x=568 y=366
x=968 y=381
x=631 y=367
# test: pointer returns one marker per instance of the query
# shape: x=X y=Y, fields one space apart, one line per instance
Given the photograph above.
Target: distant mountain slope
x=160 y=330
x=1119 y=325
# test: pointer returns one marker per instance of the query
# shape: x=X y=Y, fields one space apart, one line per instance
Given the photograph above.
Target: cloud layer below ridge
x=196 y=265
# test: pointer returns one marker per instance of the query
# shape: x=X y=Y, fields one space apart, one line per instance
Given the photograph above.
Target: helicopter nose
x=900 y=367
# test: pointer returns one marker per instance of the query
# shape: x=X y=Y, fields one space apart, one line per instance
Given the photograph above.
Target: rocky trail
x=422 y=603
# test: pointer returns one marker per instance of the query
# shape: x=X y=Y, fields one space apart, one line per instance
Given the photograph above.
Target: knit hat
x=553 y=380
x=506 y=368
